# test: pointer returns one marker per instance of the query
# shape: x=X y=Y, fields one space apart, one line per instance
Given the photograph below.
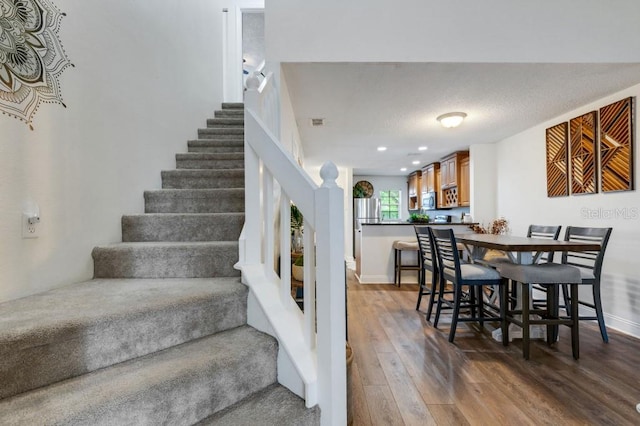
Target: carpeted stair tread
x=215 y=200
x=207 y=160
x=275 y=405
x=233 y=105
x=210 y=156
x=216 y=145
x=229 y=113
x=82 y=327
x=177 y=386
x=208 y=132
x=182 y=227
x=202 y=178
x=225 y=121
x=166 y=260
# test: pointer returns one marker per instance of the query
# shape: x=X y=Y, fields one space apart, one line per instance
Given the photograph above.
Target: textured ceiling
x=395 y=105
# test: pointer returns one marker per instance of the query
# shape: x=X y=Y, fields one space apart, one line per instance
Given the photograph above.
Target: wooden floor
x=405 y=372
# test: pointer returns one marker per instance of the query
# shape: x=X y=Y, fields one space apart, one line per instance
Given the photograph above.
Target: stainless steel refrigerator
x=365 y=210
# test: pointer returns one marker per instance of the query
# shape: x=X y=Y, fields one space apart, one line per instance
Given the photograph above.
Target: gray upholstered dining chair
x=550 y=276
x=472 y=276
x=590 y=266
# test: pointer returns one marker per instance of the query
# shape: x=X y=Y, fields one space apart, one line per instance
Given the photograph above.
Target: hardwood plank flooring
x=405 y=372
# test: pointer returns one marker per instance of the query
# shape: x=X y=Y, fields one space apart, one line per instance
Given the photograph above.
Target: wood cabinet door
x=451 y=171
x=444 y=173
x=464 y=196
x=425 y=178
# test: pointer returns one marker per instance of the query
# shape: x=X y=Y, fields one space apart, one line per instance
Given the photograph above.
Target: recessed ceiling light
x=382 y=148
x=451 y=119
x=415 y=162
x=422 y=148
x=404 y=169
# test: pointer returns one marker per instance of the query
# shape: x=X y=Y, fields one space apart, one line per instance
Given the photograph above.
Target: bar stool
x=398 y=266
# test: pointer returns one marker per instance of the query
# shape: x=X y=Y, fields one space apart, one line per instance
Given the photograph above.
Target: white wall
x=453 y=31
x=483 y=181
x=522 y=199
x=388 y=183
x=141 y=87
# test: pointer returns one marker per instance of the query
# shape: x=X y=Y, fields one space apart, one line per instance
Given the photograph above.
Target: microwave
x=429 y=200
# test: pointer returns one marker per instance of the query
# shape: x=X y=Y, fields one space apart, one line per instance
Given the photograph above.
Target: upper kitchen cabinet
x=464 y=189
x=414 y=185
x=431 y=178
x=454 y=180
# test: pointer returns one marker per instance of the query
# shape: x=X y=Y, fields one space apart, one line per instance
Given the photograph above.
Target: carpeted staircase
x=159 y=336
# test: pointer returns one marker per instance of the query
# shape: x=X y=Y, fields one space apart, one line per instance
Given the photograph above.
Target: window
x=390 y=204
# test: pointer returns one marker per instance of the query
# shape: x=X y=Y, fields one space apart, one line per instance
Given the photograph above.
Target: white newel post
x=332 y=369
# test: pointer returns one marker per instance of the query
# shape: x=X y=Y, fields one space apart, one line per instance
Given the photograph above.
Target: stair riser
x=175 y=387
x=209 y=164
x=203 y=261
x=178 y=179
x=221 y=227
x=226 y=201
x=32 y=362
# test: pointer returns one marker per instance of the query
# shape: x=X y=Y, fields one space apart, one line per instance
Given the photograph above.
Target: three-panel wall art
x=592 y=152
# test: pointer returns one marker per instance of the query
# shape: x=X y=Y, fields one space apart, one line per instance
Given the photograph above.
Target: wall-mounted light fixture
x=451 y=119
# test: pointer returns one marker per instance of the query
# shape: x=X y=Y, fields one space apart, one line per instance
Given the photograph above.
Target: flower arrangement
x=497 y=227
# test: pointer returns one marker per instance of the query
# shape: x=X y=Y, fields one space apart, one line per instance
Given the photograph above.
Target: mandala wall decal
x=31 y=57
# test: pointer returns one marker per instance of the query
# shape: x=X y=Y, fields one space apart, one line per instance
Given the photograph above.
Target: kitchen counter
x=391 y=222
x=374 y=251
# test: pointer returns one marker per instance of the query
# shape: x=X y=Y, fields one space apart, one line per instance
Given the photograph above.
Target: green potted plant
x=297 y=221
x=297 y=269
x=419 y=218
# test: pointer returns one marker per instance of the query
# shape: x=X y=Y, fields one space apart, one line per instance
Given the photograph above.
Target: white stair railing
x=315 y=338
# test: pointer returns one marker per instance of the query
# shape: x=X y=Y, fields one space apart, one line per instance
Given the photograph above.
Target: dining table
x=520 y=250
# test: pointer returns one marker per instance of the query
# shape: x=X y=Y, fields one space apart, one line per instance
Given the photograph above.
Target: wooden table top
x=516 y=243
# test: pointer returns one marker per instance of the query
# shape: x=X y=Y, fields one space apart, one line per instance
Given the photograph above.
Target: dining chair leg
x=434 y=283
x=575 y=335
x=503 y=293
x=439 y=306
x=597 y=302
x=525 y=319
x=421 y=287
x=456 y=311
x=553 y=310
x=480 y=295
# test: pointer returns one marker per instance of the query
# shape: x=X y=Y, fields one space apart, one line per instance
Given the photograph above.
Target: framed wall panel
x=616 y=146
x=582 y=136
x=557 y=156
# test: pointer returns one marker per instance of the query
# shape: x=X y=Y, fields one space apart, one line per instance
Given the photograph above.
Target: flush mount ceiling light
x=415 y=162
x=404 y=169
x=422 y=148
x=382 y=148
x=451 y=119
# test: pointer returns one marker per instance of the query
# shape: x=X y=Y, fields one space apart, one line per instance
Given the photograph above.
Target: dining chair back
x=429 y=261
x=590 y=265
x=545 y=232
x=466 y=275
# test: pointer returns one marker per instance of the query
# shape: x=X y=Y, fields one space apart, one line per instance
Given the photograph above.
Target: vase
x=296 y=241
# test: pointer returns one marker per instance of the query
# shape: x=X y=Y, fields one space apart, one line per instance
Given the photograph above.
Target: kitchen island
x=374 y=251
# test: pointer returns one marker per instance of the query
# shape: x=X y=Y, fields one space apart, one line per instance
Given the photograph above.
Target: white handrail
x=315 y=339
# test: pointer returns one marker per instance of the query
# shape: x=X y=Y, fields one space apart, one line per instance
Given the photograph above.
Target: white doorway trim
x=232 y=85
